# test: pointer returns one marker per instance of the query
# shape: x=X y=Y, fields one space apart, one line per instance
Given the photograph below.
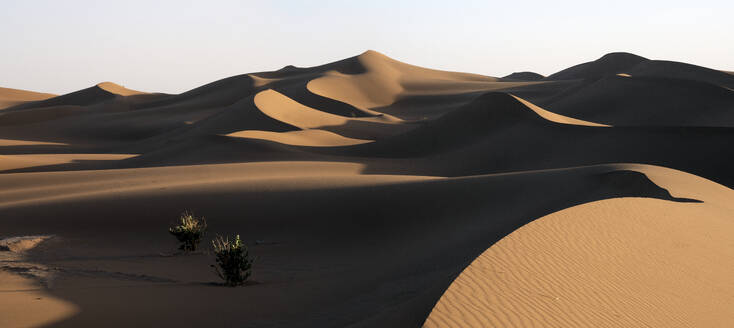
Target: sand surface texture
x=375 y=193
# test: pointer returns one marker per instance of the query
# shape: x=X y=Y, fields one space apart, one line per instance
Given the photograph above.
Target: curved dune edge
x=624 y=262
x=556 y=117
x=12 y=162
x=312 y=138
x=24 y=304
x=37 y=188
x=458 y=169
x=23 y=301
x=15 y=142
x=386 y=79
x=377 y=87
x=10 y=97
x=259 y=81
x=279 y=107
x=118 y=89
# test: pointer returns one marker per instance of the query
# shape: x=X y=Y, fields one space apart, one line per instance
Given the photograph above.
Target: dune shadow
x=300 y=93
x=416 y=236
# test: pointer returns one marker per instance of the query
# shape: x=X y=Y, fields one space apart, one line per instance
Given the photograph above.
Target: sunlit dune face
x=11 y=97
x=14 y=162
x=261 y=81
x=12 y=142
x=311 y=138
x=620 y=262
x=118 y=89
x=413 y=172
x=614 y=263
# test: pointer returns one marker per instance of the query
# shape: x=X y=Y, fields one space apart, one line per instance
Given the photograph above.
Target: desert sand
x=375 y=193
x=12 y=97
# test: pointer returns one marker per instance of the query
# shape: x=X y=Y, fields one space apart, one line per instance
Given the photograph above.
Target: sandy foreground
x=375 y=193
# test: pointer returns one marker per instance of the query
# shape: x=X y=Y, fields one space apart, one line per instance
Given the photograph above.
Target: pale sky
x=173 y=46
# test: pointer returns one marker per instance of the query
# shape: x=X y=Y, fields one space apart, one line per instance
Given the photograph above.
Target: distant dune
x=675 y=70
x=609 y=64
x=523 y=76
x=375 y=193
x=11 y=97
x=98 y=93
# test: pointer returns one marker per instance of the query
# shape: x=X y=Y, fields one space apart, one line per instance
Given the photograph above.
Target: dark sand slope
x=648 y=101
x=392 y=261
x=609 y=64
x=627 y=90
x=101 y=92
x=368 y=188
x=500 y=133
x=522 y=76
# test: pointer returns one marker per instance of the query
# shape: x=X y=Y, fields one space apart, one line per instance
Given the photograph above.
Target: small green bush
x=189 y=231
x=234 y=264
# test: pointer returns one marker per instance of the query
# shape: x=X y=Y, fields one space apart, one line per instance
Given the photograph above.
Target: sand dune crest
x=375 y=193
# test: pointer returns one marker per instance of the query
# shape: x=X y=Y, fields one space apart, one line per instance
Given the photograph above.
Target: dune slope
x=408 y=250
x=375 y=193
x=609 y=64
x=613 y=263
x=11 y=97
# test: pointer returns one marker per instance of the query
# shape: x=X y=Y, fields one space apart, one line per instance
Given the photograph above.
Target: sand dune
x=612 y=263
x=623 y=90
x=284 y=109
x=376 y=193
x=648 y=101
x=98 y=93
x=36 y=115
x=13 y=162
x=403 y=209
x=103 y=98
x=310 y=137
x=553 y=117
x=11 y=97
x=385 y=78
x=9 y=142
x=23 y=301
x=479 y=120
x=118 y=89
x=522 y=76
x=675 y=70
x=555 y=272
x=625 y=63
x=609 y=64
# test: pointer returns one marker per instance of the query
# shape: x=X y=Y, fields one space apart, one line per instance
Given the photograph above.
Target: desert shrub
x=234 y=264
x=189 y=231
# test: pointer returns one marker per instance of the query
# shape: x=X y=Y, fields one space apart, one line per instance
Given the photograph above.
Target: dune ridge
x=587 y=265
x=376 y=193
x=89 y=96
x=118 y=89
x=523 y=76
x=609 y=64
x=11 y=97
